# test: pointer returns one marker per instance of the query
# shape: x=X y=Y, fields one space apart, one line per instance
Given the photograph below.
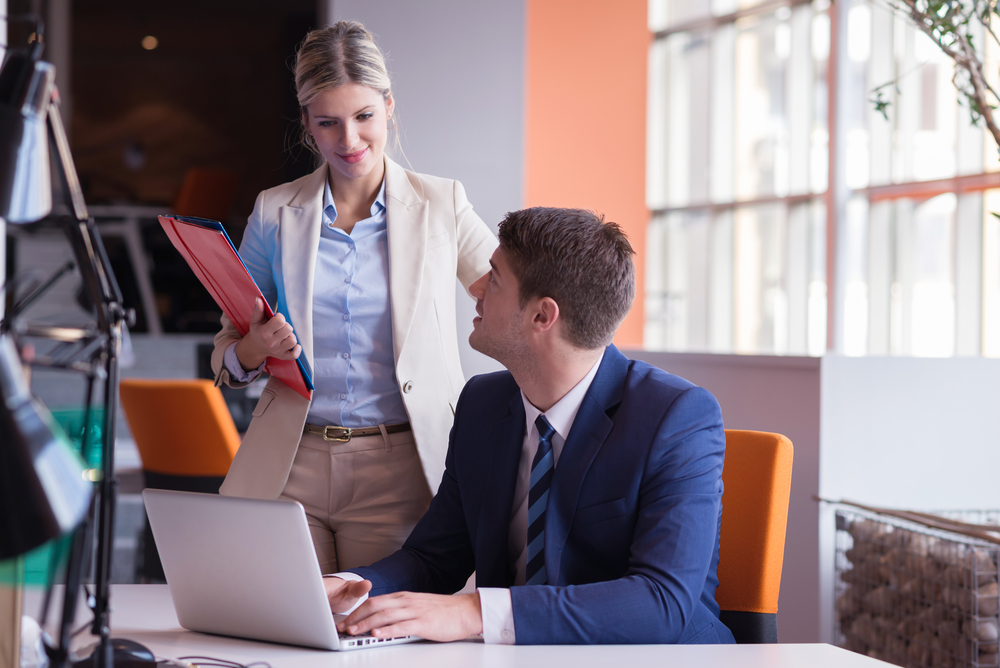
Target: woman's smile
x=353 y=158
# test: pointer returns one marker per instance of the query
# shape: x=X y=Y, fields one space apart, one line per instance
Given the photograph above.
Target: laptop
x=246 y=568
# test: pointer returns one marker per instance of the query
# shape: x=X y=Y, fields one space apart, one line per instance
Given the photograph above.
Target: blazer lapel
x=492 y=569
x=300 y=223
x=406 y=226
x=589 y=432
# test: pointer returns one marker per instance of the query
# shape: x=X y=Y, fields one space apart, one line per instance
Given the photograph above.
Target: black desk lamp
x=43 y=492
x=29 y=124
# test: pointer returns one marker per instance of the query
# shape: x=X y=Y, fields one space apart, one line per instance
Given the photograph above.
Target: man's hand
x=268 y=337
x=429 y=616
x=343 y=594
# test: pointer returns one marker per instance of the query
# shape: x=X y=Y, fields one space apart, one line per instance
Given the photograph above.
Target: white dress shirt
x=497 y=609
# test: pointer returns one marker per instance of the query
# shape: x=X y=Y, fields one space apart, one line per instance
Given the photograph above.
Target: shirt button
x=347 y=356
x=407 y=386
x=346 y=317
x=343 y=396
x=347 y=280
x=505 y=634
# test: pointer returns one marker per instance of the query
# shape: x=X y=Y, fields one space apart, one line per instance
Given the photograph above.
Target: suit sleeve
x=476 y=242
x=672 y=546
x=437 y=557
x=254 y=256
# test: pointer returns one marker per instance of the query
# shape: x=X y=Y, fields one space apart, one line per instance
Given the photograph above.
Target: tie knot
x=545 y=430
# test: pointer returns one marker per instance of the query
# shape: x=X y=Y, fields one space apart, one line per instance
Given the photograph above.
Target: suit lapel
x=589 y=432
x=406 y=224
x=498 y=498
x=299 y=231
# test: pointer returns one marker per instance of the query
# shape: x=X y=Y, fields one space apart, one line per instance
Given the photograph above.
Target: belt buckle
x=343 y=434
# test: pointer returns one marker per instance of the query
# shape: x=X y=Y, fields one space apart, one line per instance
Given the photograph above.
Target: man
x=594 y=480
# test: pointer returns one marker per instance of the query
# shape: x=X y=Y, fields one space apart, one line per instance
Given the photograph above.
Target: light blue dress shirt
x=354 y=369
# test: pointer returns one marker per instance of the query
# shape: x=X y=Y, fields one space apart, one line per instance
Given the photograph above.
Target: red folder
x=213 y=258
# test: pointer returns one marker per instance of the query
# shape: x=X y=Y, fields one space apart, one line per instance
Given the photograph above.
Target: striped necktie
x=538 y=496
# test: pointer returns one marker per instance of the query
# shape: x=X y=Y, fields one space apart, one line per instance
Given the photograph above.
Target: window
x=742 y=122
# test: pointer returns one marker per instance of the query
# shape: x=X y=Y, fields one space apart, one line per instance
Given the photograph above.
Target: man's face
x=499 y=329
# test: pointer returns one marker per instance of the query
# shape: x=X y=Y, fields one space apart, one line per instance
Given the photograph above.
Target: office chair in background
x=207 y=192
x=757 y=479
x=186 y=440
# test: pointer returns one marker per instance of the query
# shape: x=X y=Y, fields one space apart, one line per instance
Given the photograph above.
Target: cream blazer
x=433 y=236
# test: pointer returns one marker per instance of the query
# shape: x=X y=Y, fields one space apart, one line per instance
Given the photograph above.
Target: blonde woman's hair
x=333 y=56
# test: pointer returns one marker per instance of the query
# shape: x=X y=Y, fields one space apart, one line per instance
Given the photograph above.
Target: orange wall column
x=585 y=127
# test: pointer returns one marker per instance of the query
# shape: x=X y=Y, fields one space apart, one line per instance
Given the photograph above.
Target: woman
x=361 y=258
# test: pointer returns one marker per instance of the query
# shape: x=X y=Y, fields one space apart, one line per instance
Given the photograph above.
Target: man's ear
x=545 y=314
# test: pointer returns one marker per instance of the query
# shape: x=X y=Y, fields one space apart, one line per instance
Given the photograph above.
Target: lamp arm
x=68 y=169
x=36 y=292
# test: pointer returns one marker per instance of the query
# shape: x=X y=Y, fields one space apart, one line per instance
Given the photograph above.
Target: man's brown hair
x=578 y=260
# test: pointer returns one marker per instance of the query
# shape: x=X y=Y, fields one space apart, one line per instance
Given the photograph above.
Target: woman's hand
x=267 y=338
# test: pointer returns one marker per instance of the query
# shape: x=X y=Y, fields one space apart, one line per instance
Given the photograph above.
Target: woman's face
x=348 y=125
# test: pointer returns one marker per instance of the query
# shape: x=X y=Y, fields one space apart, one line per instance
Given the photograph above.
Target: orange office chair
x=757 y=480
x=207 y=193
x=185 y=437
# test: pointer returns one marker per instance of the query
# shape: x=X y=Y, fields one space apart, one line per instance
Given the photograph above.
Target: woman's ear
x=390 y=106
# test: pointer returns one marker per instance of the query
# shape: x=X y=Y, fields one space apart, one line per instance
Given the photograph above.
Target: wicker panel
x=916 y=596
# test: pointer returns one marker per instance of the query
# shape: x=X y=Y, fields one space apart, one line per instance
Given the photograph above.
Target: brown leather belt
x=345 y=434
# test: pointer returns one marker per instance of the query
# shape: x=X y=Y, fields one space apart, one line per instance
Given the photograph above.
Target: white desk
x=145 y=613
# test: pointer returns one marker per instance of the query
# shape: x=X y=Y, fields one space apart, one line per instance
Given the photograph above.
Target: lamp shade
x=25 y=182
x=43 y=492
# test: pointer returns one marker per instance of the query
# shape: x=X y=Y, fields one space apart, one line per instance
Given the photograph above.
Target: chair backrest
x=181 y=427
x=757 y=480
x=207 y=193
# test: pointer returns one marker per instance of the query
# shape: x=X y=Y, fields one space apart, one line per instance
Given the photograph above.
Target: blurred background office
x=830 y=272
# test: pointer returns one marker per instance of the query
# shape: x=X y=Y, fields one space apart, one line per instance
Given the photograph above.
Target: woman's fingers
x=258 y=312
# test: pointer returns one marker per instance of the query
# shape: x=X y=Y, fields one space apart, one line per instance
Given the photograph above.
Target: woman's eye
x=326 y=124
x=365 y=116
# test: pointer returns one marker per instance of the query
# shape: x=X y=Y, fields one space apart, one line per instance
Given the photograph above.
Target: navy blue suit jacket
x=632 y=522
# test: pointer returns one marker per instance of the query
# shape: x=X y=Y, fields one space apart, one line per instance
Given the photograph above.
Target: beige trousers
x=362 y=498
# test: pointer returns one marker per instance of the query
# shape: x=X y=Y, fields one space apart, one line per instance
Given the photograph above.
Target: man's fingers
x=381 y=619
x=408 y=628
x=357 y=589
x=369 y=609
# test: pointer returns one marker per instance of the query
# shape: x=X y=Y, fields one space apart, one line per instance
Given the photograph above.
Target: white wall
x=778 y=394
x=457 y=69
x=908 y=433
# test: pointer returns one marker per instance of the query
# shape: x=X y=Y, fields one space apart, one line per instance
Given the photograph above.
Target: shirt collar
x=330 y=209
x=563 y=413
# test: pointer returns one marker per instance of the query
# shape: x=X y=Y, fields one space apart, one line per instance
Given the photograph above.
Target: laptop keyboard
x=362 y=639
x=348 y=636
